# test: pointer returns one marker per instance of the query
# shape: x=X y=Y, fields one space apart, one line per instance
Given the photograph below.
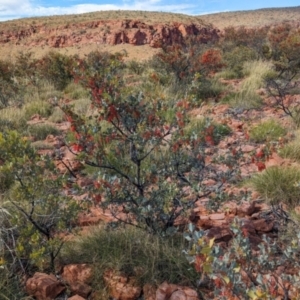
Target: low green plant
x=10 y=279
x=12 y=119
x=41 y=145
x=278 y=184
x=57 y=115
x=205 y=128
x=235 y=59
x=75 y=91
x=292 y=149
x=82 y=106
x=246 y=99
x=203 y=88
x=41 y=131
x=6 y=179
x=38 y=209
x=57 y=69
x=269 y=130
x=132 y=252
x=42 y=108
x=239 y=272
x=228 y=98
x=246 y=96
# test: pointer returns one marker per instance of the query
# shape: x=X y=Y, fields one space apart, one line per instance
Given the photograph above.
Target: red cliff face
x=132 y=32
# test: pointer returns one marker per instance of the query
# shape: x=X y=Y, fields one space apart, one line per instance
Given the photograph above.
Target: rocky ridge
x=133 y=32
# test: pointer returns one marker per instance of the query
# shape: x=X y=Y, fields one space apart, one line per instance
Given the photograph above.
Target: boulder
x=121 y=287
x=245 y=209
x=175 y=292
x=77 y=273
x=76 y=297
x=44 y=287
x=149 y=292
x=221 y=234
x=81 y=289
x=263 y=226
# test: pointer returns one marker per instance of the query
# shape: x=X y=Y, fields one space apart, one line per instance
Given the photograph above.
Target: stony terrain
x=141 y=39
x=147 y=30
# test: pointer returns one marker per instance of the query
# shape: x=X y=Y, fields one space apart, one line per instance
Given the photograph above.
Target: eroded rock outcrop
x=112 y=32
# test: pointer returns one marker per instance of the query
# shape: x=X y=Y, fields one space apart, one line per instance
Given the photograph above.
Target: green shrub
x=206 y=88
x=76 y=91
x=57 y=116
x=236 y=58
x=82 y=106
x=246 y=97
x=41 y=131
x=41 y=145
x=42 y=108
x=6 y=179
x=12 y=118
x=131 y=251
x=228 y=98
x=292 y=149
x=205 y=127
x=57 y=69
x=269 y=130
x=228 y=272
x=278 y=184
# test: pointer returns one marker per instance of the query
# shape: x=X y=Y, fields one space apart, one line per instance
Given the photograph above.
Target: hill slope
x=121 y=30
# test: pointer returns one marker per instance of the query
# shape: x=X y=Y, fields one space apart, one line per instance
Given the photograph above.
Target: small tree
x=148 y=163
x=39 y=208
x=285 y=78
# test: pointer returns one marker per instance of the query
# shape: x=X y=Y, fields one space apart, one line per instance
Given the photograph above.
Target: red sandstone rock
x=217 y=216
x=247 y=148
x=80 y=288
x=221 y=234
x=121 y=287
x=76 y=297
x=174 y=292
x=245 y=209
x=44 y=287
x=77 y=273
x=262 y=225
x=149 y=292
x=230 y=208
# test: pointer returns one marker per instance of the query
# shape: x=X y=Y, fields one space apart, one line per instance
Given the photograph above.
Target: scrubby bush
x=41 y=108
x=235 y=59
x=269 y=130
x=247 y=97
x=41 y=131
x=13 y=119
x=143 y=156
x=57 y=115
x=38 y=209
x=76 y=91
x=208 y=131
x=292 y=149
x=278 y=184
x=56 y=68
x=243 y=270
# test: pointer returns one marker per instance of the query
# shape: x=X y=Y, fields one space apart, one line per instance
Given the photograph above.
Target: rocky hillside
x=112 y=32
x=120 y=30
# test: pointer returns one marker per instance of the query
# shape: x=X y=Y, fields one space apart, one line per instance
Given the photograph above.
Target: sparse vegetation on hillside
x=148 y=147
